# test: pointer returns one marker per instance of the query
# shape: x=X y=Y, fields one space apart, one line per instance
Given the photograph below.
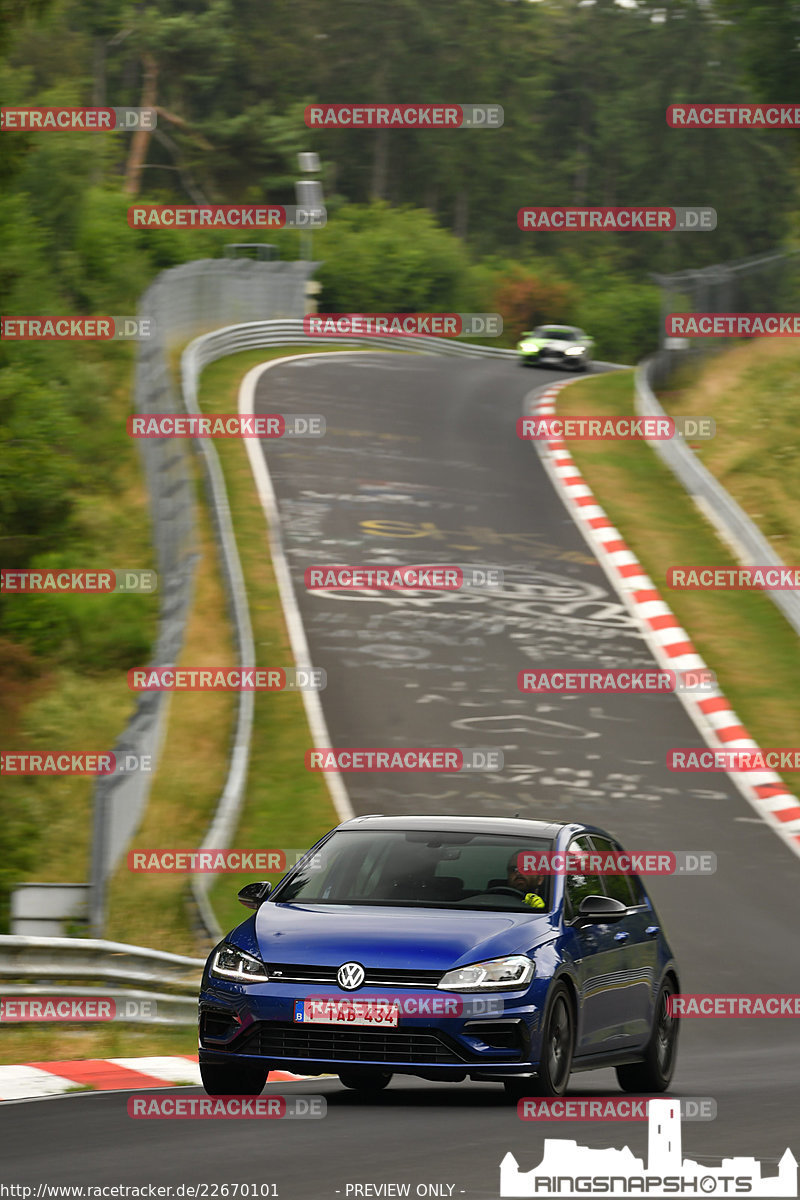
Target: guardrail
x=43 y=966
x=718 y=506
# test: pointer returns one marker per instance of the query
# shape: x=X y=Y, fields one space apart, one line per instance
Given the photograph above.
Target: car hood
x=382 y=937
x=545 y=343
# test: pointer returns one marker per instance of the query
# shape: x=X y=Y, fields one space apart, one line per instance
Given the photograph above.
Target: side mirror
x=253 y=895
x=594 y=910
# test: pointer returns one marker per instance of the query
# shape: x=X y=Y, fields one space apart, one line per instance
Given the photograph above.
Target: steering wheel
x=508 y=891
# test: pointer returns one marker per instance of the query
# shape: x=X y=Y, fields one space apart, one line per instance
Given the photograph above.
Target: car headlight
x=574 y=350
x=515 y=971
x=230 y=963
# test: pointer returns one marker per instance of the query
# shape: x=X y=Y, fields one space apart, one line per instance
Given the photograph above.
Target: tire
x=233 y=1079
x=558 y=1047
x=654 y=1074
x=366 y=1082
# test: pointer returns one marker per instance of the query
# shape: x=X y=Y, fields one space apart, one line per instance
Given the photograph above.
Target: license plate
x=346 y=1012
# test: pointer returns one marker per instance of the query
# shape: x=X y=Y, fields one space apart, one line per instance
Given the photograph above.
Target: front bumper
x=255 y=1024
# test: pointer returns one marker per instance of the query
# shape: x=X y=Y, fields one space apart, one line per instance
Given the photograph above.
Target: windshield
x=556 y=335
x=402 y=868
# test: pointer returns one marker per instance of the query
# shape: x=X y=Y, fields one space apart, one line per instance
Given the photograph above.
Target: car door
x=630 y=999
x=596 y=957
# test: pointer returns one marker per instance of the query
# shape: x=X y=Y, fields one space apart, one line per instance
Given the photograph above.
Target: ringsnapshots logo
x=616 y=862
x=226 y=425
x=345 y=325
x=74 y=580
x=227 y=679
x=568 y=1169
x=608 y=428
x=226 y=216
x=441 y=578
x=437 y=759
x=404 y=116
x=733 y=116
x=96 y=120
x=24 y=1010
x=617 y=219
x=76 y=329
x=180 y=1107
x=733 y=325
x=624 y=680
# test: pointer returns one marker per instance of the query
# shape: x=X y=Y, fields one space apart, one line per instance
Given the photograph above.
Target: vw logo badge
x=350 y=976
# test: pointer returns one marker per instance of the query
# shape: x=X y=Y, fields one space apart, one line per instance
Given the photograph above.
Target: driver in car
x=529 y=886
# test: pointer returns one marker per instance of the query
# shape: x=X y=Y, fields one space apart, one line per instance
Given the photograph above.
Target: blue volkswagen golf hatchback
x=436 y=947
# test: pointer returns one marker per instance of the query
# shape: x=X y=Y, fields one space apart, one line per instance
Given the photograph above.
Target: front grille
x=275 y=1039
x=375 y=976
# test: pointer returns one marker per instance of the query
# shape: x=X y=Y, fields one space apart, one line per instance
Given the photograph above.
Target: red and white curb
x=32 y=1080
x=671 y=645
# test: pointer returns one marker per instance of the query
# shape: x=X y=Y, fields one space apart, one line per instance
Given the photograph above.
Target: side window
x=619 y=887
x=579 y=886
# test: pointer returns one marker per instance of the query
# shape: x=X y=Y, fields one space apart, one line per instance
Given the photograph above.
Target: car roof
x=510 y=826
x=572 y=328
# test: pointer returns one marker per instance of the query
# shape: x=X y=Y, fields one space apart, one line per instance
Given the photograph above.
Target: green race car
x=561 y=345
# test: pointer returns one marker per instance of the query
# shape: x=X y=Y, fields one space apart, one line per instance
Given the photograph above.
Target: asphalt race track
x=421 y=464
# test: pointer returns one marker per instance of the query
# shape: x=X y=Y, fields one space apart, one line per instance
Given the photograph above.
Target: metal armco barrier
x=79 y=967
x=181 y=302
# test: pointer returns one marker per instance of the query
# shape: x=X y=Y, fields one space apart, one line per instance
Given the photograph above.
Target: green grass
x=741 y=635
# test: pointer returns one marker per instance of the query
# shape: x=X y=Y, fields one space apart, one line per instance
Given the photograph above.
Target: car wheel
x=366 y=1081
x=233 y=1079
x=558 y=1047
x=655 y=1072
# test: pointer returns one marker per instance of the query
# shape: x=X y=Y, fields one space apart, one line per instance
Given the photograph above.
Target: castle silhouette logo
x=568 y=1169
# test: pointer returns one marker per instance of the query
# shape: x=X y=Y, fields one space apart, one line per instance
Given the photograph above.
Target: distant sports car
x=562 y=345
x=418 y=945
